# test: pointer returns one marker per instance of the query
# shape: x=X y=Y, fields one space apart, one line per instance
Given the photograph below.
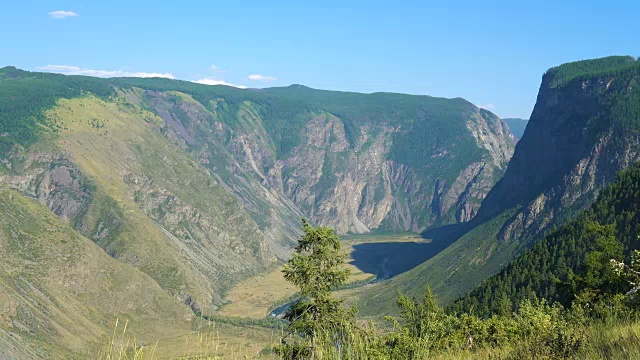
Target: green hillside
x=26 y=94
x=423 y=156
x=569 y=297
x=585 y=69
x=103 y=164
x=61 y=294
x=556 y=267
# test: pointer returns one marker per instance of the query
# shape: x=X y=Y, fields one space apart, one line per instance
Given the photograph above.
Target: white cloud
x=215 y=68
x=61 y=14
x=487 y=106
x=209 y=81
x=75 y=70
x=262 y=78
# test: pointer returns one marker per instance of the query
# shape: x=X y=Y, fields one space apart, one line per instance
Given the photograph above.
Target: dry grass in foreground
x=215 y=341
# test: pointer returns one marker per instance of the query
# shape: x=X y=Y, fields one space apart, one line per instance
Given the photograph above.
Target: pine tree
x=316 y=268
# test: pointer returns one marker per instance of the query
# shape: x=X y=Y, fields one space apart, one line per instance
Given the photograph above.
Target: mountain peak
x=299 y=86
x=11 y=71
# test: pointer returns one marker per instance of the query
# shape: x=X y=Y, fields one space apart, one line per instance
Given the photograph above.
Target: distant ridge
x=517 y=126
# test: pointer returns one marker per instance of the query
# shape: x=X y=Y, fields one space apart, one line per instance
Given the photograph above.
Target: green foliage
x=630 y=274
x=316 y=267
x=25 y=95
x=424 y=330
x=421 y=327
x=535 y=328
x=595 y=292
x=572 y=260
x=611 y=65
x=598 y=273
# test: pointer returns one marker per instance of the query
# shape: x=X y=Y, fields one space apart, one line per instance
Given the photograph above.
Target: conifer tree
x=316 y=268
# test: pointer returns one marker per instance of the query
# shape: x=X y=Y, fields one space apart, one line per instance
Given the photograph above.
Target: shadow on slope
x=388 y=259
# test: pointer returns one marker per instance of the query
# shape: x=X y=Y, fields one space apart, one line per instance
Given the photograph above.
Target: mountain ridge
x=517 y=126
x=580 y=135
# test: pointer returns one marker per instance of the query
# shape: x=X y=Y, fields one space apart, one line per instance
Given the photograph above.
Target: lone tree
x=316 y=268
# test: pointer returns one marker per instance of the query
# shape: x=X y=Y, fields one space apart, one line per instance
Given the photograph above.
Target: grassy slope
x=24 y=96
x=603 y=341
x=127 y=144
x=60 y=292
x=551 y=263
x=449 y=273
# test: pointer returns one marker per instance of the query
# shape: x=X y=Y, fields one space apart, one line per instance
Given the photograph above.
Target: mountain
x=582 y=132
x=392 y=162
x=551 y=268
x=61 y=294
x=188 y=189
x=108 y=167
x=517 y=126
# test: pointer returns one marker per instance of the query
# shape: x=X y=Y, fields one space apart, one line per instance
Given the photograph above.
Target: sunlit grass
x=208 y=343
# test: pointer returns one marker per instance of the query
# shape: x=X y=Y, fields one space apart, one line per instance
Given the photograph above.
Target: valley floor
x=371 y=257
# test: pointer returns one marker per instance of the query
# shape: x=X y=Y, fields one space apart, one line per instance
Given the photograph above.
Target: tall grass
x=608 y=340
x=122 y=347
x=206 y=344
x=612 y=342
x=603 y=340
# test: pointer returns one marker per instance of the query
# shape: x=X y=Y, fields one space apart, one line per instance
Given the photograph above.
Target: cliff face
x=584 y=130
x=396 y=169
x=576 y=143
x=357 y=187
x=353 y=176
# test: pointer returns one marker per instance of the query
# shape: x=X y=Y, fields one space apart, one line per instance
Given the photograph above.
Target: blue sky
x=492 y=53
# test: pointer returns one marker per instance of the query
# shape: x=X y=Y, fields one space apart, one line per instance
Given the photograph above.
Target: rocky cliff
x=582 y=133
x=584 y=129
x=388 y=162
x=418 y=162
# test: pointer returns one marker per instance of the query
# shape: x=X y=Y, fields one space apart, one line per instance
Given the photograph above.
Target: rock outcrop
x=353 y=177
x=575 y=144
x=583 y=131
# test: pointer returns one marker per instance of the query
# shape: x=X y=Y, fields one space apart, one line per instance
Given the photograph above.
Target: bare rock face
x=53 y=180
x=350 y=180
x=347 y=179
x=583 y=131
x=357 y=188
x=572 y=148
x=237 y=158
